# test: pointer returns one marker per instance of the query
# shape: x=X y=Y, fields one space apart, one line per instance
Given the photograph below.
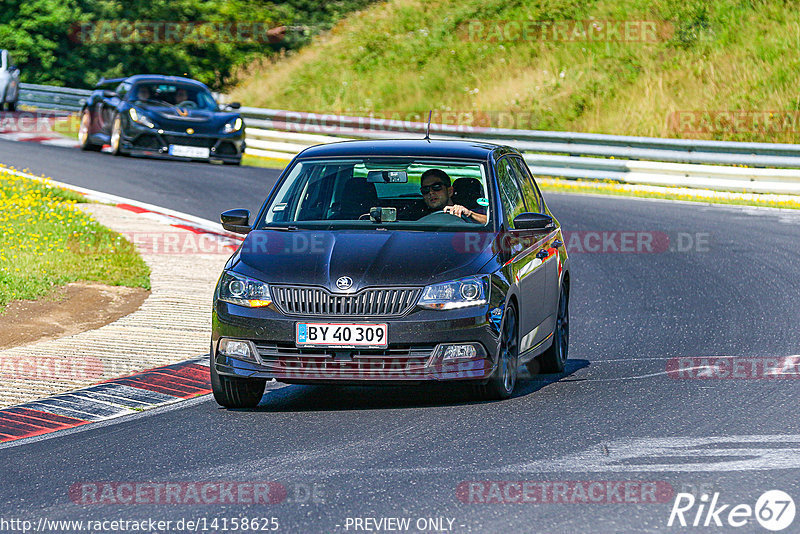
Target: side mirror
x=538 y=222
x=235 y=105
x=237 y=221
x=109 y=94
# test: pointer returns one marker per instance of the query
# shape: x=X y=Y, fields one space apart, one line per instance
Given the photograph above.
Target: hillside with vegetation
x=721 y=69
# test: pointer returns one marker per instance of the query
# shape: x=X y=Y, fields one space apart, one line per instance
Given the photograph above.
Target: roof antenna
x=428 y=131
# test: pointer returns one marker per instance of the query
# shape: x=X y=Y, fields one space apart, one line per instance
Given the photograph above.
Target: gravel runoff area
x=172 y=325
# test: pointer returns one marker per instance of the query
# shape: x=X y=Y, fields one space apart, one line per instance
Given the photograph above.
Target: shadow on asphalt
x=297 y=398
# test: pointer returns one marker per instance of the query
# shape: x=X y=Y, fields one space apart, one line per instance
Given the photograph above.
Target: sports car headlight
x=234 y=126
x=472 y=291
x=139 y=118
x=244 y=291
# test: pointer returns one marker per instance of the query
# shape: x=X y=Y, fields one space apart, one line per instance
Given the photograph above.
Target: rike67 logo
x=774 y=510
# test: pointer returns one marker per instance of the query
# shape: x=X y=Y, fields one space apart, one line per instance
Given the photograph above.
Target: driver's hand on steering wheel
x=458 y=211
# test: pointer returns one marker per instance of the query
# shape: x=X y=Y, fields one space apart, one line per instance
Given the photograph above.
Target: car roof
x=161 y=78
x=435 y=148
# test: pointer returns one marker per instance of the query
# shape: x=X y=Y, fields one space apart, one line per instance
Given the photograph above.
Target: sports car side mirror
x=534 y=221
x=234 y=105
x=237 y=221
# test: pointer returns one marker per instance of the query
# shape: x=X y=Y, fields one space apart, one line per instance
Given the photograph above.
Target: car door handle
x=558 y=243
x=542 y=254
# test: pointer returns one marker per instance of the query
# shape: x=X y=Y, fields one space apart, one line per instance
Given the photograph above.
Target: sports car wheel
x=83 y=132
x=553 y=359
x=501 y=384
x=116 y=136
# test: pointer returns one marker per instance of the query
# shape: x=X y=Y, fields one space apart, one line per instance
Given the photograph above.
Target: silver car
x=9 y=82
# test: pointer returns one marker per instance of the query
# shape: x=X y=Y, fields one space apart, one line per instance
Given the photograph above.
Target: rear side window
x=510 y=193
x=529 y=190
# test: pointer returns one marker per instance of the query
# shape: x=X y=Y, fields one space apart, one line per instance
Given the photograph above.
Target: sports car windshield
x=173 y=95
x=415 y=194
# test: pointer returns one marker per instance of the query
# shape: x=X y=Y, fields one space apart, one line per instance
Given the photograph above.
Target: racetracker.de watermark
x=564 y=492
x=173 y=32
x=33 y=122
x=735 y=121
x=201 y=492
x=25 y=367
x=590 y=30
x=735 y=368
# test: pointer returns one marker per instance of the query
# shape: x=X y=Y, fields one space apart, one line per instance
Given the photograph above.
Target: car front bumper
x=142 y=141
x=414 y=354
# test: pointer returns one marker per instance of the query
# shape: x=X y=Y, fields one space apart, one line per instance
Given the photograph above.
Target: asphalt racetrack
x=604 y=447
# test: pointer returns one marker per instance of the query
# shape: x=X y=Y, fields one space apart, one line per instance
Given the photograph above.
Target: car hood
x=200 y=121
x=370 y=258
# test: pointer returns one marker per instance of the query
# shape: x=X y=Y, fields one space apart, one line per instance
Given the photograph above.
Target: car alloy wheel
x=83 y=132
x=502 y=383
x=554 y=358
x=116 y=136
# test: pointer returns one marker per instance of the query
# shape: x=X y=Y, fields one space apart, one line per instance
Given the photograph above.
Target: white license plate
x=341 y=335
x=189 y=151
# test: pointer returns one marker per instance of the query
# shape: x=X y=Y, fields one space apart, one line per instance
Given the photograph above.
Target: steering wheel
x=439 y=216
x=187 y=104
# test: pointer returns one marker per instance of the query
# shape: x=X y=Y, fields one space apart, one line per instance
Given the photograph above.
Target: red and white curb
x=108 y=400
x=52 y=139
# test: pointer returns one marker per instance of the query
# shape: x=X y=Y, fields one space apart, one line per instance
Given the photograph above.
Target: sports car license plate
x=188 y=151
x=342 y=335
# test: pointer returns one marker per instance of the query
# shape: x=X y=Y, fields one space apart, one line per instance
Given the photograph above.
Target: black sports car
x=393 y=262
x=161 y=116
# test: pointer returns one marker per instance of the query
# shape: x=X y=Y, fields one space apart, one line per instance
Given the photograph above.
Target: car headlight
x=139 y=118
x=471 y=291
x=234 y=126
x=244 y=291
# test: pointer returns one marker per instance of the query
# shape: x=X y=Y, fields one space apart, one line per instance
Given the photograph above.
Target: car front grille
x=226 y=148
x=399 y=361
x=202 y=142
x=299 y=300
x=148 y=141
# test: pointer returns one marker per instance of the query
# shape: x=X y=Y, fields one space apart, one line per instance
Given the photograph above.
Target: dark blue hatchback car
x=161 y=116
x=386 y=262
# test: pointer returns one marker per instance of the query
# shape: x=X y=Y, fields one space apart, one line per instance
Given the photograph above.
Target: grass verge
x=46 y=241
x=704 y=196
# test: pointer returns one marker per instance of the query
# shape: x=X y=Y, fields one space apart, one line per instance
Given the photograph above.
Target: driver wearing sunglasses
x=438 y=195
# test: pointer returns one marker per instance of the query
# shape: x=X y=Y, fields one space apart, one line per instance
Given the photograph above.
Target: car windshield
x=173 y=95
x=407 y=193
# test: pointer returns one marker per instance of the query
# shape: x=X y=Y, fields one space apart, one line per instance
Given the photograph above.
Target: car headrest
x=467 y=191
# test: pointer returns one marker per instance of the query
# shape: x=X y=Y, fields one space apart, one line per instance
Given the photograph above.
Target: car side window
x=510 y=193
x=122 y=90
x=529 y=190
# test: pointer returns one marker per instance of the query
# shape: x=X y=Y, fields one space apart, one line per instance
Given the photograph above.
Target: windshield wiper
x=280 y=228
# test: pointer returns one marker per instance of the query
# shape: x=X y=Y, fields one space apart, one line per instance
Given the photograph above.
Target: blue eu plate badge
x=302 y=333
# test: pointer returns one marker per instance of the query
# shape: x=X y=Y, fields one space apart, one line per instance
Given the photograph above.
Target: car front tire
x=116 y=136
x=232 y=392
x=503 y=381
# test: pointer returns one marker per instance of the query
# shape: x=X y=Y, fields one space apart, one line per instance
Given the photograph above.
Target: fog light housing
x=466 y=351
x=236 y=348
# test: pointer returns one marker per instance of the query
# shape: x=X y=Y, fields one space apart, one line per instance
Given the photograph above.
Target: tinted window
x=510 y=194
x=122 y=89
x=529 y=189
x=336 y=193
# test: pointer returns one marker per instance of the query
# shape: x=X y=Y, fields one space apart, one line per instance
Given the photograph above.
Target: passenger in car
x=437 y=192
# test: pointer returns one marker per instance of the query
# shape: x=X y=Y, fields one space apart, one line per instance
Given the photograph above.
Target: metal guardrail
x=280 y=134
x=51 y=97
